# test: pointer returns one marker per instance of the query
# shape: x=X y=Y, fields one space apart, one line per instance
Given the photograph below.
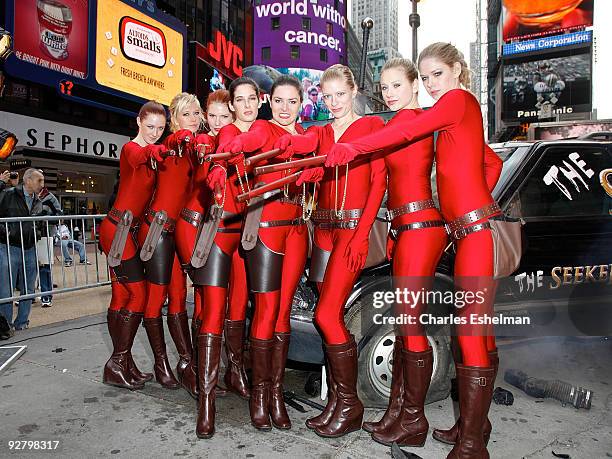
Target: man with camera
x=8 y=180
x=20 y=252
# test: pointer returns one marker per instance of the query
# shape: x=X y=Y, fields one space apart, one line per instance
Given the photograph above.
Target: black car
x=562 y=191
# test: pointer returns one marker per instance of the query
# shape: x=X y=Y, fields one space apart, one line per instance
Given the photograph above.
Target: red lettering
x=226 y=54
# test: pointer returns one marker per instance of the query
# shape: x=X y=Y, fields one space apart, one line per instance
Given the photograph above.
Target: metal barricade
x=95 y=272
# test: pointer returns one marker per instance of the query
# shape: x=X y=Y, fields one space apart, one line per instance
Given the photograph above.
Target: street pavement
x=55 y=392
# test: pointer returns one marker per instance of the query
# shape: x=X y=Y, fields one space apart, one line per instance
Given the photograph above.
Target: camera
x=14 y=175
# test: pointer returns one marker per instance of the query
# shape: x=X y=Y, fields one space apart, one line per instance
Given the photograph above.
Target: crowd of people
x=192 y=206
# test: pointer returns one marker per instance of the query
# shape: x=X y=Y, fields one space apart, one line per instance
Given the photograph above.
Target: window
x=323 y=55
x=265 y=53
x=565 y=182
x=329 y=28
x=275 y=23
x=295 y=52
x=306 y=24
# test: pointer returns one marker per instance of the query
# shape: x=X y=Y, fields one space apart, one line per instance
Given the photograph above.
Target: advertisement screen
x=137 y=54
x=524 y=19
x=313 y=108
x=548 y=87
x=52 y=34
x=300 y=33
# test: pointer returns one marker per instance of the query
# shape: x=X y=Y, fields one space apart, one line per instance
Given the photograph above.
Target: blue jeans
x=74 y=245
x=46 y=284
x=6 y=287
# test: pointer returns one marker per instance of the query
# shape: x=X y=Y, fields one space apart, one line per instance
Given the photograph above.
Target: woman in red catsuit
x=348 y=202
x=224 y=267
x=163 y=270
x=276 y=262
x=217 y=116
x=467 y=171
x=137 y=181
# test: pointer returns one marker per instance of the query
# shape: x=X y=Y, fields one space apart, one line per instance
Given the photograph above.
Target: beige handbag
x=507 y=235
x=377 y=251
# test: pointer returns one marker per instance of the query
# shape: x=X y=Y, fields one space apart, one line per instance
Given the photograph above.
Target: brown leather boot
x=278 y=411
x=163 y=373
x=323 y=418
x=117 y=369
x=475 y=393
x=411 y=426
x=395 y=397
x=235 y=377
x=112 y=318
x=259 y=403
x=209 y=353
x=348 y=413
x=178 y=326
x=190 y=374
x=450 y=436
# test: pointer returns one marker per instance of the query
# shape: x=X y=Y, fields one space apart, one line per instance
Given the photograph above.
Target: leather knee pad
x=318 y=264
x=264 y=268
x=131 y=270
x=158 y=269
x=215 y=271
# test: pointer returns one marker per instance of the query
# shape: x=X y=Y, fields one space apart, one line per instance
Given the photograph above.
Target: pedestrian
x=19 y=255
x=44 y=246
x=8 y=179
x=67 y=242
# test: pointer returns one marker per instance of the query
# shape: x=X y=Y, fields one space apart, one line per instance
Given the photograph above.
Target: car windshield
x=512 y=156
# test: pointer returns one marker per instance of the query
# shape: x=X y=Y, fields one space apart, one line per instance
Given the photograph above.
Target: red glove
x=207 y=144
x=185 y=139
x=311 y=175
x=340 y=154
x=390 y=247
x=284 y=145
x=236 y=160
x=216 y=178
x=157 y=152
x=233 y=146
x=357 y=251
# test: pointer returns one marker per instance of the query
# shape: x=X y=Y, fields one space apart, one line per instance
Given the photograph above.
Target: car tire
x=375 y=356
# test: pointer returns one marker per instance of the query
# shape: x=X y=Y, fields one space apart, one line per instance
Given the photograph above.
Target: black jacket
x=13 y=204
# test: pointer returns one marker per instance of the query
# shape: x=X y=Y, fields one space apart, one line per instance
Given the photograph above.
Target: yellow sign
x=137 y=54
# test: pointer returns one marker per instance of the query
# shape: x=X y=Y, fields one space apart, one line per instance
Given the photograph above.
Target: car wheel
x=376 y=367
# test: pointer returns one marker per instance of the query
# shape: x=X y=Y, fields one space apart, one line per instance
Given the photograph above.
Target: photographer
x=8 y=180
x=19 y=201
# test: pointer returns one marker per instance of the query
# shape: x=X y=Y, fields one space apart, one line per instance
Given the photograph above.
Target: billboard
x=313 y=108
x=552 y=42
x=525 y=19
x=137 y=54
x=544 y=88
x=52 y=34
x=300 y=33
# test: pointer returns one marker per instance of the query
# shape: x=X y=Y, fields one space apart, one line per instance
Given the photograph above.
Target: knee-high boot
x=259 y=403
x=209 y=353
x=163 y=373
x=235 y=375
x=138 y=376
x=348 y=412
x=450 y=436
x=411 y=426
x=178 y=326
x=395 y=397
x=475 y=393
x=323 y=418
x=278 y=411
x=123 y=328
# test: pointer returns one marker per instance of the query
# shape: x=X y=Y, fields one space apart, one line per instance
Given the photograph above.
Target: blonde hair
x=405 y=65
x=178 y=104
x=339 y=72
x=448 y=54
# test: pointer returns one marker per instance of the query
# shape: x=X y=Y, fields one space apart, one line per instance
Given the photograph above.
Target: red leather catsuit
x=211 y=300
x=273 y=305
x=365 y=189
x=173 y=186
x=416 y=252
x=135 y=190
x=466 y=173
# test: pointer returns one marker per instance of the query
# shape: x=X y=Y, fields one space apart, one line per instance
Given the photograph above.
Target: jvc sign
x=38 y=134
x=555 y=41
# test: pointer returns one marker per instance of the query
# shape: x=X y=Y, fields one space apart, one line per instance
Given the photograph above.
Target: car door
x=566 y=204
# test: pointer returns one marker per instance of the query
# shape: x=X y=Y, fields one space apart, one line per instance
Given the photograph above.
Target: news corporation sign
x=555 y=41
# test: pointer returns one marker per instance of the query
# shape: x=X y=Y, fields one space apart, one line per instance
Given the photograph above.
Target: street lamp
x=415 y=21
x=366 y=25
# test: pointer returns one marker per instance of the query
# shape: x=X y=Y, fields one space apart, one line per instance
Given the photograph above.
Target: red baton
x=261 y=156
x=297 y=164
x=268 y=187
